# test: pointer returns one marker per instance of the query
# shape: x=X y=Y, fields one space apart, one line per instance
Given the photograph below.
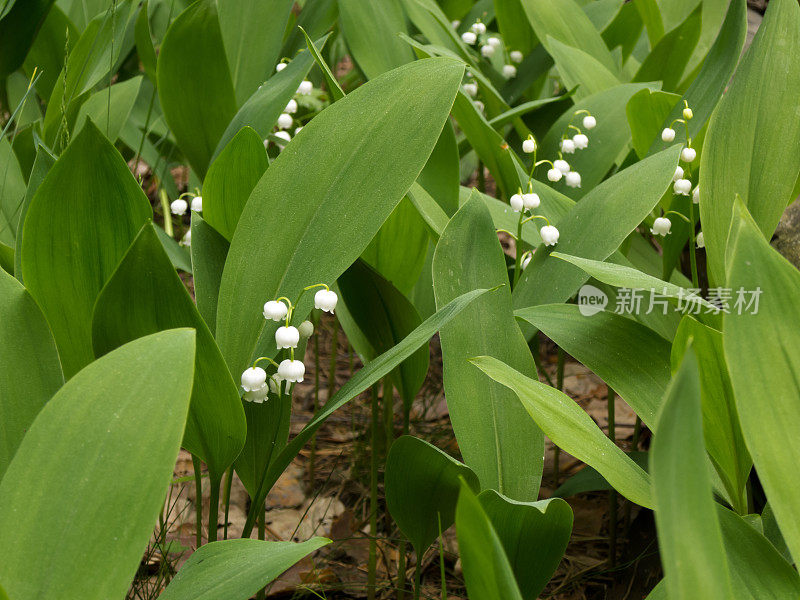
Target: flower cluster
x=287 y=337
x=287 y=120
x=560 y=168
x=489 y=46
x=179 y=206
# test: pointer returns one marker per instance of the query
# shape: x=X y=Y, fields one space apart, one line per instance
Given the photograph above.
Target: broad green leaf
x=628 y=356
x=429 y=19
x=12 y=193
x=673 y=12
x=514 y=26
x=145 y=295
x=430 y=210
x=646 y=110
x=689 y=535
x=334 y=89
x=47 y=54
x=572 y=430
x=252 y=34
x=17 y=89
x=721 y=430
x=496 y=438
x=370 y=29
x=534 y=536
x=566 y=22
x=18 y=28
x=589 y=480
x=366 y=377
x=580 y=69
x=625 y=30
x=41 y=167
x=763 y=359
x=236 y=569
x=230 y=180
x=316 y=18
x=738 y=154
x=144 y=43
x=441 y=175
x=79 y=224
x=385 y=316
x=487 y=571
x=110 y=108
x=595 y=228
x=178 y=255
x=30 y=372
x=422 y=485
x=105 y=446
x=329 y=205
x=194 y=83
x=209 y=251
x=653 y=22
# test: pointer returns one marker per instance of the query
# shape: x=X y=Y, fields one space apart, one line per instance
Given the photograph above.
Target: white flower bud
x=668 y=134
x=325 y=300
x=284 y=135
x=529 y=146
x=580 y=140
x=455 y=24
x=291 y=108
x=589 y=122
x=479 y=105
x=567 y=146
x=305 y=87
x=509 y=71
x=678 y=173
x=253 y=379
x=186 y=240
x=562 y=166
x=292 y=370
x=306 y=329
x=494 y=41
x=468 y=37
x=554 y=175
x=256 y=396
x=573 y=179
x=688 y=155
x=696 y=195
x=549 y=235
x=197 y=204
x=285 y=121
x=487 y=50
x=275 y=384
x=661 y=226
x=178 y=207
x=531 y=201
x=287 y=337
x=280 y=67
x=700 y=240
x=516 y=56
x=471 y=89
x=688 y=114
x=526 y=260
x=478 y=27
x=275 y=310
x=517 y=203
x=682 y=187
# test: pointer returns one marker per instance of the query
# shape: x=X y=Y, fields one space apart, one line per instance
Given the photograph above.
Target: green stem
x=442 y=574
x=417 y=576
x=312 y=458
x=162 y=194
x=401 y=570
x=518 y=258
x=213 y=509
x=612 y=497
x=262 y=530
x=481 y=178
x=537 y=360
x=373 y=496
x=227 y=500
x=692 y=251
x=198 y=503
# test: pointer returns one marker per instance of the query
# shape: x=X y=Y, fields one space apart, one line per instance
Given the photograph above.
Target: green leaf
x=496 y=438
x=366 y=377
x=79 y=224
x=580 y=69
x=329 y=203
x=18 y=28
x=422 y=485
x=628 y=356
x=430 y=210
x=194 y=83
x=209 y=251
x=144 y=43
x=145 y=295
x=763 y=358
x=110 y=108
x=596 y=227
x=41 y=167
x=514 y=26
x=572 y=430
x=252 y=34
x=487 y=571
x=12 y=193
x=738 y=154
x=385 y=316
x=646 y=110
x=47 y=54
x=236 y=569
x=335 y=90
x=442 y=174
x=30 y=372
x=230 y=180
x=370 y=29
x=689 y=535
x=105 y=446
x=534 y=536
x=589 y=480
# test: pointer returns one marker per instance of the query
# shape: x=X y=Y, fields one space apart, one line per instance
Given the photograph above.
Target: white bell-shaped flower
x=305 y=87
x=678 y=173
x=253 y=379
x=589 y=122
x=688 y=155
x=285 y=121
x=696 y=194
x=284 y=135
x=287 y=337
x=291 y=108
x=306 y=329
x=688 y=114
x=509 y=71
x=554 y=175
x=668 y=134
x=469 y=37
x=661 y=226
x=487 y=51
x=526 y=260
x=549 y=235
x=280 y=67
x=494 y=41
x=455 y=24
x=573 y=179
x=471 y=89
x=478 y=28
x=700 y=240
x=292 y=370
x=275 y=384
x=682 y=187
x=178 y=207
x=186 y=240
x=529 y=146
x=325 y=300
x=531 y=201
x=562 y=165
x=257 y=396
x=197 y=204
x=580 y=140
x=479 y=106
x=275 y=310
x=567 y=146
x=516 y=56
x=517 y=203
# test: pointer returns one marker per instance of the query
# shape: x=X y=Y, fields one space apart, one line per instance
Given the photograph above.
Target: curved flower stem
x=518 y=258
x=692 y=251
x=267 y=358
